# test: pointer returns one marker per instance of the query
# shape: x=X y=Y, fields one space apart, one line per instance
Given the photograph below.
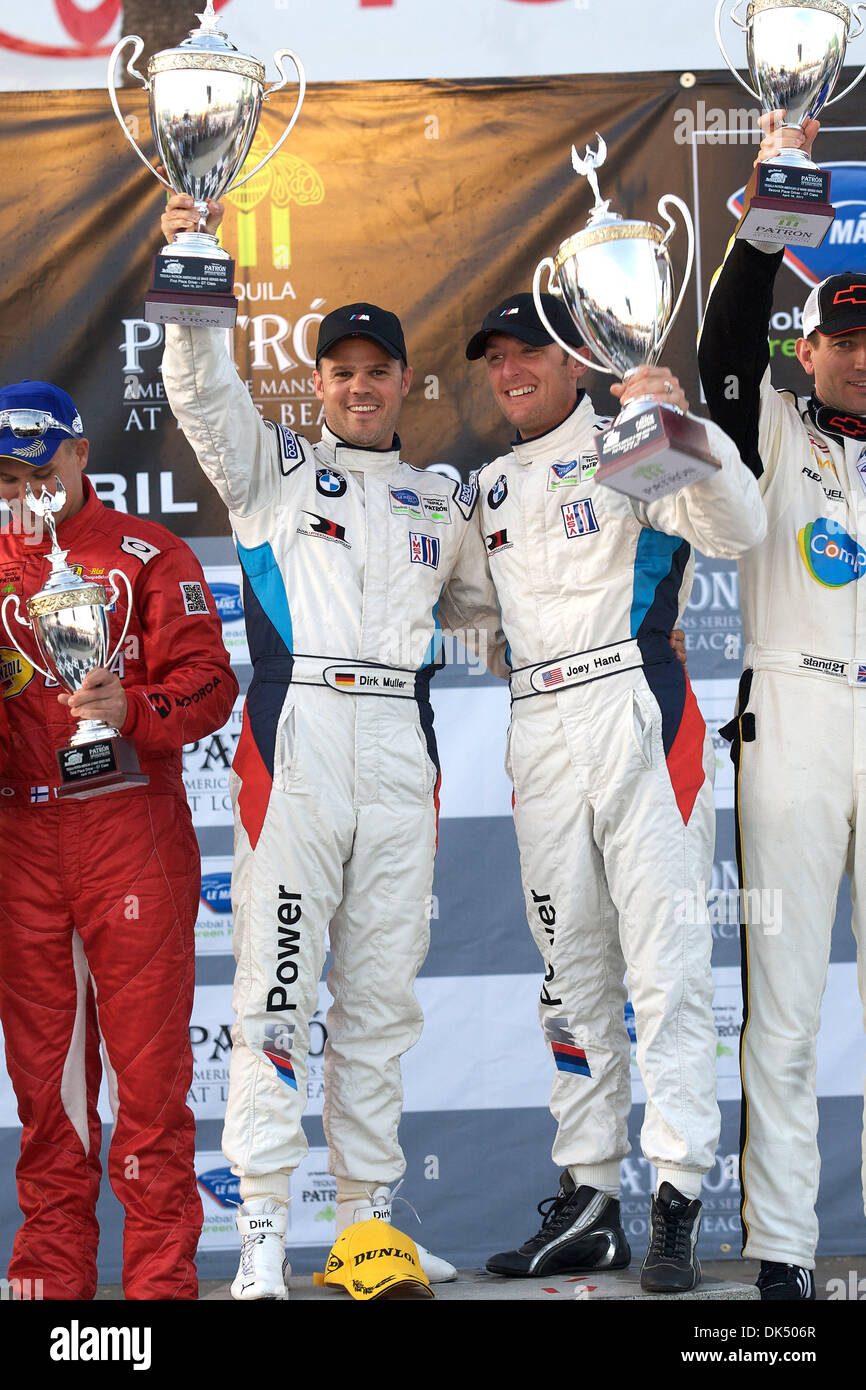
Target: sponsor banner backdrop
x=435 y=199
x=64 y=43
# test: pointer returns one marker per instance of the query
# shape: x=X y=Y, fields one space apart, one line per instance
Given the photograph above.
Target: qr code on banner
x=194 y=600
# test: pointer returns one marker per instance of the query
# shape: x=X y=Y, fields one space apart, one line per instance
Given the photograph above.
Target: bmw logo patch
x=498 y=493
x=330 y=483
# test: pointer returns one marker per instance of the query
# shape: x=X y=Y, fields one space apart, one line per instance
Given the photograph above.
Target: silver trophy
x=616 y=279
x=69 y=621
x=205 y=103
x=795 y=50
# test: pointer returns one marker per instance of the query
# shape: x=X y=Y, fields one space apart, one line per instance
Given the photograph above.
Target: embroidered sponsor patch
x=466 y=495
x=571 y=1059
x=424 y=550
x=579 y=518
x=405 y=502
x=141 y=550
x=498 y=493
x=330 y=483
x=326 y=529
x=194 y=601
x=160 y=704
x=437 y=509
x=16 y=673
x=498 y=540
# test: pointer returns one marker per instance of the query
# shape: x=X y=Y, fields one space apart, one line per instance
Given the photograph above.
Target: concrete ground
x=837 y=1278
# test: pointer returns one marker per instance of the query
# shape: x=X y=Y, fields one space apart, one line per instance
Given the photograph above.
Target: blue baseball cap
x=35 y=418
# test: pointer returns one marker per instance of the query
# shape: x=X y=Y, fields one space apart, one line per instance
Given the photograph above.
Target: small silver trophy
x=795 y=50
x=616 y=280
x=205 y=103
x=69 y=620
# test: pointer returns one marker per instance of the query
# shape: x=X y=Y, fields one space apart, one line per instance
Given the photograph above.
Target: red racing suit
x=97 y=911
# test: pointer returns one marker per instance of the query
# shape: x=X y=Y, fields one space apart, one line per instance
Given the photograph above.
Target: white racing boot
x=378 y=1204
x=263 y=1271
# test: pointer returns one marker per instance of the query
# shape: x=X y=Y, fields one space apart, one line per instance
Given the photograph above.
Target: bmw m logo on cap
x=843 y=246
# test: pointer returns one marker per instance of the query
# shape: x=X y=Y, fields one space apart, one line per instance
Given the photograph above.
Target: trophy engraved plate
x=69 y=622
x=795 y=50
x=205 y=101
x=616 y=280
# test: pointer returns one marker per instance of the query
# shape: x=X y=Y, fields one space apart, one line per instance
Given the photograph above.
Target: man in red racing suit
x=98 y=896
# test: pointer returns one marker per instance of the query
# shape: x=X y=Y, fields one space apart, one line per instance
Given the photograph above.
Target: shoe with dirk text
x=671 y=1264
x=785 y=1283
x=263 y=1270
x=581 y=1231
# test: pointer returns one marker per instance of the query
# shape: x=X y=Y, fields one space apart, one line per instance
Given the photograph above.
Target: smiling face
x=839 y=368
x=363 y=388
x=534 y=387
x=67 y=464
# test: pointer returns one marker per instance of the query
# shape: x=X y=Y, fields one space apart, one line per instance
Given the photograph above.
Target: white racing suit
x=351 y=561
x=799 y=743
x=612 y=770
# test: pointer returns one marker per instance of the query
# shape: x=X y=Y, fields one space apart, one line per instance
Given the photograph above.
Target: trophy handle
x=278 y=86
x=112 y=92
x=854 y=34
x=720 y=41
x=552 y=288
x=671 y=198
x=115 y=596
x=13 y=598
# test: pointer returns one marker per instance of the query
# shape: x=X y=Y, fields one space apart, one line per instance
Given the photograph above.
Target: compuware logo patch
x=830 y=555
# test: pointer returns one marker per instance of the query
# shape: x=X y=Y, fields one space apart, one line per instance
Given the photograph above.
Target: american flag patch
x=423 y=550
x=38 y=794
x=571 y=1059
x=579 y=518
x=553 y=677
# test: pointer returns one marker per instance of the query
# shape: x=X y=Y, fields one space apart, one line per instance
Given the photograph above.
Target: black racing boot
x=785 y=1283
x=671 y=1264
x=581 y=1231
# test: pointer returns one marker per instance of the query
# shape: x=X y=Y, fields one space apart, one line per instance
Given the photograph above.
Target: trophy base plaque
x=192 y=290
x=648 y=454
x=108 y=765
x=787 y=203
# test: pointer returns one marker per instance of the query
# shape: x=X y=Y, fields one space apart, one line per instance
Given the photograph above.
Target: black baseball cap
x=362 y=321
x=836 y=306
x=518 y=317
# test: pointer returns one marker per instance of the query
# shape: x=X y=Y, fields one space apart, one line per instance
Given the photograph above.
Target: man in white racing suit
x=799 y=737
x=613 y=803
x=352 y=562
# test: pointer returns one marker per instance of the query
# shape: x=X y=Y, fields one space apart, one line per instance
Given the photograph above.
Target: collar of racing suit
x=339 y=454
x=557 y=443
x=835 y=422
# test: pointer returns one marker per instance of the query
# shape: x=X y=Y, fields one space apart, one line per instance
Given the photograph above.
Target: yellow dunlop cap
x=374 y=1260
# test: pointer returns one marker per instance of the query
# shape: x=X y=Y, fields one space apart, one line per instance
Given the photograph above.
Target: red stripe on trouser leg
x=685 y=759
x=436 y=804
x=256 y=783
